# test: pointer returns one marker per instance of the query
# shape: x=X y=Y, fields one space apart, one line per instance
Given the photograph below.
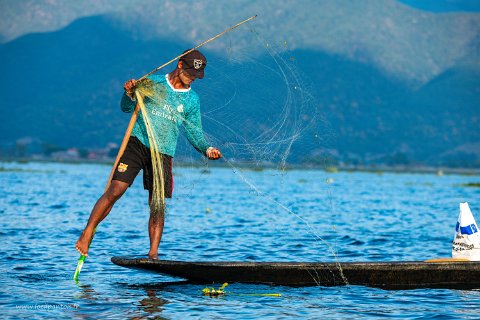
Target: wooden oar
x=133 y=119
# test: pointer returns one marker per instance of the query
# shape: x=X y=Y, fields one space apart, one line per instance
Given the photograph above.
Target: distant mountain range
x=18 y=18
x=376 y=103
x=410 y=44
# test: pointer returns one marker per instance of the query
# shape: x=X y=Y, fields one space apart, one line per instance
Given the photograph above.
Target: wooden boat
x=442 y=273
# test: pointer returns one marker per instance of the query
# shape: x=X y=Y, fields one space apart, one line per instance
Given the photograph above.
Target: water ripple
x=359 y=216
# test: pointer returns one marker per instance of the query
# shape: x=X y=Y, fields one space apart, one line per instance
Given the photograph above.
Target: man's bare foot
x=153 y=256
x=84 y=242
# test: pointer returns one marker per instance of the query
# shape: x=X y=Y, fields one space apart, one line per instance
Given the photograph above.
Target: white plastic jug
x=466 y=243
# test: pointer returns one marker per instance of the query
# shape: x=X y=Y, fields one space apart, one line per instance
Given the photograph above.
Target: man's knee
x=116 y=190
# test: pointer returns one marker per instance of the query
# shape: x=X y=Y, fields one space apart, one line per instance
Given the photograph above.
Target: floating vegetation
x=366 y=170
x=3 y=169
x=211 y=292
x=331 y=169
x=471 y=185
x=469 y=173
x=302 y=180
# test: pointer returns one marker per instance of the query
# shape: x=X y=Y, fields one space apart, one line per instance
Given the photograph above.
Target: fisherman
x=178 y=104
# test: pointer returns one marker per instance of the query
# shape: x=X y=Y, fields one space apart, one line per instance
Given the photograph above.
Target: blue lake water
x=298 y=215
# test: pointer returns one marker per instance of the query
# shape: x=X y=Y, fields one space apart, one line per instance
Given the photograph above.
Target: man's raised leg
x=101 y=209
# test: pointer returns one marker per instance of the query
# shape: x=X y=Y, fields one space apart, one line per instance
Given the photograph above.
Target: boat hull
x=387 y=275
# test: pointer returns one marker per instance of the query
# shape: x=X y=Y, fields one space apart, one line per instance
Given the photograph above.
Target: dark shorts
x=137 y=157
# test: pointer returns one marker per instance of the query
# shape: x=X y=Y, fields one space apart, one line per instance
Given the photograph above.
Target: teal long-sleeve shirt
x=168 y=109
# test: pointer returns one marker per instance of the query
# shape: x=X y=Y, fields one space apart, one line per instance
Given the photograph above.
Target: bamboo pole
x=133 y=119
x=200 y=45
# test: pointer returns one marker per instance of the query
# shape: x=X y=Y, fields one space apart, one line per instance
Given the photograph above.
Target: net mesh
x=157 y=202
x=259 y=111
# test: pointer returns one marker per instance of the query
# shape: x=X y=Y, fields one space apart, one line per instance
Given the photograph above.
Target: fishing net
x=258 y=109
x=148 y=90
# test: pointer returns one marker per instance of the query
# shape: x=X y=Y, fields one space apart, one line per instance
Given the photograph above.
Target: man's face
x=185 y=77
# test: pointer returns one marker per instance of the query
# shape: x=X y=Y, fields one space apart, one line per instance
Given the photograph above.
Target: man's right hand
x=129 y=86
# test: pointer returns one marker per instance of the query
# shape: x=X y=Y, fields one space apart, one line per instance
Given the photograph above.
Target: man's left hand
x=213 y=153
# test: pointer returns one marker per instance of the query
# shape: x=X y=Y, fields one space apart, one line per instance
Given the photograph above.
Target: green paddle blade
x=81 y=260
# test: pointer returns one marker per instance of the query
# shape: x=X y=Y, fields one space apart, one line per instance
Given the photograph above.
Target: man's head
x=194 y=63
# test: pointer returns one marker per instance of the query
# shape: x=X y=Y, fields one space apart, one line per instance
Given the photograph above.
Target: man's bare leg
x=101 y=209
x=155 y=230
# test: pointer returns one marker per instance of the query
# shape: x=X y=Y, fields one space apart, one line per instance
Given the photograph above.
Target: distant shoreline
x=377 y=169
